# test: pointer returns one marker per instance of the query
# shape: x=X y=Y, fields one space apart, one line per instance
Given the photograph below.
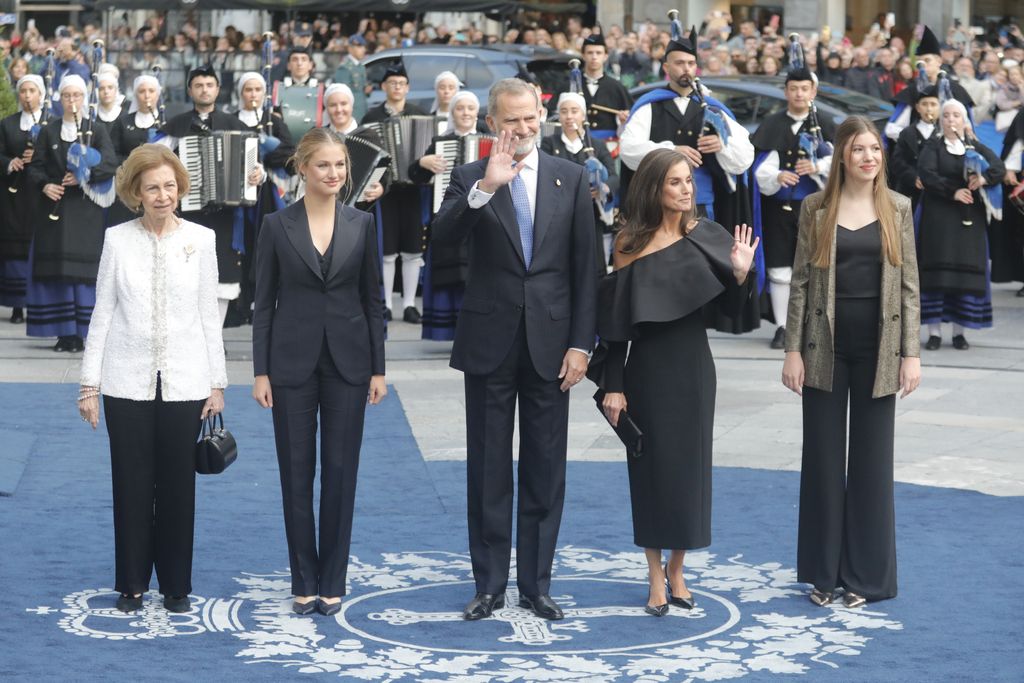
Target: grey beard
x=526 y=146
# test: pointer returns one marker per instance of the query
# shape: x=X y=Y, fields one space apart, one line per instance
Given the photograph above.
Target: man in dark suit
x=527 y=321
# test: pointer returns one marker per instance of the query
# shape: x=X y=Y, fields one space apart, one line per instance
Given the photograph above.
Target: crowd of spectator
x=988 y=64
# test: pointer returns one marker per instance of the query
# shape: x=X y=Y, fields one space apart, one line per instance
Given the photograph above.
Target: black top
x=325 y=258
x=859 y=262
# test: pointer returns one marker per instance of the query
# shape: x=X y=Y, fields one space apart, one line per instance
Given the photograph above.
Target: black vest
x=668 y=123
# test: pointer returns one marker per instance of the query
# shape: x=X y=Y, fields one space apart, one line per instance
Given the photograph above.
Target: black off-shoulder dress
x=655 y=304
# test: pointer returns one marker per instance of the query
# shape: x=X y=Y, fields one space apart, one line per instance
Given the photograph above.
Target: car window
x=742 y=104
x=375 y=69
x=850 y=101
x=422 y=68
x=767 y=106
x=477 y=75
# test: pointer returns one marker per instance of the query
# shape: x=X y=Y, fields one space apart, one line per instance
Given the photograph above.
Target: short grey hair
x=508 y=86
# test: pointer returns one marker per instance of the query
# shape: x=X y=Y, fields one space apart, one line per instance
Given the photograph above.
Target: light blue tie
x=524 y=216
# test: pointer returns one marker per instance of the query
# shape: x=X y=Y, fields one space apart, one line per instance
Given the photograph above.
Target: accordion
x=405 y=138
x=464 y=150
x=368 y=162
x=218 y=167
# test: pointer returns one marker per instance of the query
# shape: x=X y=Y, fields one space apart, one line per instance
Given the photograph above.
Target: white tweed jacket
x=156 y=311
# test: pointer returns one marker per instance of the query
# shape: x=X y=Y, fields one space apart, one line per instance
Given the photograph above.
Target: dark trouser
x=342 y=407
x=543 y=423
x=152 y=460
x=847 y=535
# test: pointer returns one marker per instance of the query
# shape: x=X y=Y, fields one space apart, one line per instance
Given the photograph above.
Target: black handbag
x=216 y=448
x=627 y=430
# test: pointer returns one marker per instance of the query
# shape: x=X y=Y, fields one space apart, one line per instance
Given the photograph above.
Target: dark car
x=752 y=98
x=477 y=67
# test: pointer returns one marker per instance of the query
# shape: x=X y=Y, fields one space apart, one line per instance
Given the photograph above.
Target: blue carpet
x=960 y=557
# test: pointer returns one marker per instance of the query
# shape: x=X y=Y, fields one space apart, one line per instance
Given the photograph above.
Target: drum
x=302 y=107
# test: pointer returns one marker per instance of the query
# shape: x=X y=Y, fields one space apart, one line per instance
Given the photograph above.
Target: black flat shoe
x=821 y=598
x=17 y=316
x=63 y=344
x=960 y=343
x=933 y=343
x=482 y=606
x=779 y=340
x=411 y=315
x=178 y=604
x=77 y=345
x=543 y=606
x=328 y=609
x=129 y=603
x=387 y=314
x=304 y=608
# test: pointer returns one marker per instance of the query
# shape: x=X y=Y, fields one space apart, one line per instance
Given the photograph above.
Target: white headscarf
x=144 y=79
x=246 y=114
x=29 y=119
x=31 y=78
x=334 y=89
x=444 y=76
x=575 y=97
x=72 y=81
x=109 y=75
x=456 y=98
x=955 y=147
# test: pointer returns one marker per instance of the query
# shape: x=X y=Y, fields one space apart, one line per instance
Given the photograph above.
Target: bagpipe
x=810 y=143
x=268 y=142
x=597 y=174
x=974 y=165
x=158 y=110
x=82 y=156
x=37 y=124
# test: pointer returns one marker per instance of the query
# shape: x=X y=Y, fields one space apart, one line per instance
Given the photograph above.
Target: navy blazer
x=557 y=296
x=295 y=306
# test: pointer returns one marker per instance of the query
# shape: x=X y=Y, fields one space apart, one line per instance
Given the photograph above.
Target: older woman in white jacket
x=156 y=356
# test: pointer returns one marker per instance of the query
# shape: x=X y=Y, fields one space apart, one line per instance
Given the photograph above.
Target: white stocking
x=411 y=264
x=934 y=329
x=389 y=277
x=778 y=291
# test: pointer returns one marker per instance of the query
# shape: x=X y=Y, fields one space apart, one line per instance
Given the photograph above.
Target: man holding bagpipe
x=608 y=101
x=683 y=117
x=794 y=156
x=928 y=53
x=226 y=221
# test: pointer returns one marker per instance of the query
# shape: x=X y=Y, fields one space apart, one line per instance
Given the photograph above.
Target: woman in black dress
x=952 y=239
x=668 y=264
x=134 y=128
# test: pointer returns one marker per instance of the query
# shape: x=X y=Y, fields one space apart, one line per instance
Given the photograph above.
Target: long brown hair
x=313 y=140
x=643 y=212
x=824 y=233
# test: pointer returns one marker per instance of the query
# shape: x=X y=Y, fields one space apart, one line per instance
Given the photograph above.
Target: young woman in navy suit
x=318 y=346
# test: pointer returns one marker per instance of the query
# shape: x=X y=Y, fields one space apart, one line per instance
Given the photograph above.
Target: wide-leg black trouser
x=341 y=407
x=543 y=422
x=152 y=460
x=847 y=536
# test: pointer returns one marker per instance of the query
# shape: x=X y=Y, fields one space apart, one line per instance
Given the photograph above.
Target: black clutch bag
x=216 y=448
x=627 y=431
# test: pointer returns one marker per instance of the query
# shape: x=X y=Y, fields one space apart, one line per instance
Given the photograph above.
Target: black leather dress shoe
x=328 y=609
x=129 y=603
x=178 y=605
x=63 y=344
x=304 y=608
x=17 y=316
x=387 y=314
x=779 y=340
x=933 y=343
x=960 y=343
x=411 y=315
x=483 y=605
x=76 y=345
x=543 y=606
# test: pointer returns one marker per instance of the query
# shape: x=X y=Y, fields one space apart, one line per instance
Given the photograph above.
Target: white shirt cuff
x=478 y=198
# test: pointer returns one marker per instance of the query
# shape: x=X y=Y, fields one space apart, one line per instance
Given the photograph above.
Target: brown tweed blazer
x=810 y=323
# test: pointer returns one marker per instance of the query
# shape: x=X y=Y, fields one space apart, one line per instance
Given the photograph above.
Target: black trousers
x=342 y=407
x=152 y=460
x=543 y=423
x=847 y=536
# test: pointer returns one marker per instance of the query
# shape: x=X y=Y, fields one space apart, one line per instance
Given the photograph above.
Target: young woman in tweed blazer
x=852 y=342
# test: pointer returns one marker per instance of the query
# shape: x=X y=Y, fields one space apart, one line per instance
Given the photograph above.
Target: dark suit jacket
x=557 y=295
x=295 y=306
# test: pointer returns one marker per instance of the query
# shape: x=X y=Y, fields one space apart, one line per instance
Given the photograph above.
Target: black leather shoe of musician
x=482 y=606
x=411 y=315
x=76 y=345
x=17 y=316
x=960 y=343
x=63 y=344
x=933 y=343
x=387 y=314
x=178 y=605
x=129 y=603
x=779 y=340
x=543 y=606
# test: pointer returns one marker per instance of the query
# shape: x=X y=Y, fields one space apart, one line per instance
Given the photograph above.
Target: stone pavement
x=964 y=428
